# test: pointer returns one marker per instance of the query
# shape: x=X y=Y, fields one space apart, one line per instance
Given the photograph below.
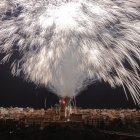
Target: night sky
x=16 y=92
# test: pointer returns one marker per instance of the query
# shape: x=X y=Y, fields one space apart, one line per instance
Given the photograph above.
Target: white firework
x=65 y=44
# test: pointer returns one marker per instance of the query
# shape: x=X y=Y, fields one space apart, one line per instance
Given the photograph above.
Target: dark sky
x=14 y=91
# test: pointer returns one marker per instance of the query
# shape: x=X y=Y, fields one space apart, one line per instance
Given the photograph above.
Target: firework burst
x=66 y=44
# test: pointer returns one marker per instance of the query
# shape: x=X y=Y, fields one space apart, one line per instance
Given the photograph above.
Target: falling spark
x=67 y=44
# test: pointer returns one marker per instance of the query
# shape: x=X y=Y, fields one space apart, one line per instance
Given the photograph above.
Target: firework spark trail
x=63 y=43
